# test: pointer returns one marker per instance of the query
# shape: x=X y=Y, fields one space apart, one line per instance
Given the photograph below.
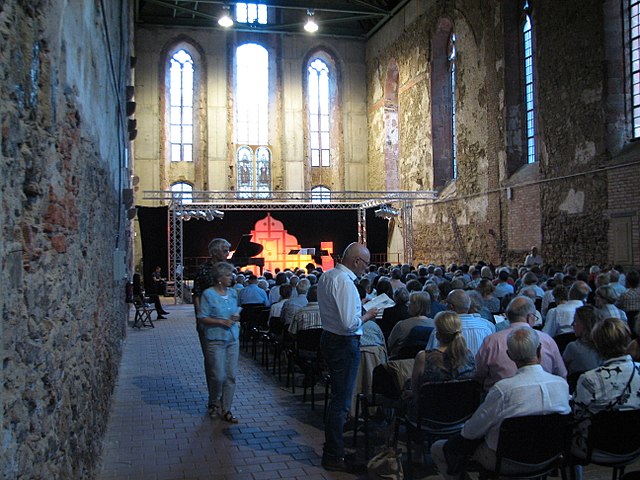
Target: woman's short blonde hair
x=611 y=337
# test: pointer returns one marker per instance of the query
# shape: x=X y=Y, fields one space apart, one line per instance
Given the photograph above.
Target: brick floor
x=159 y=430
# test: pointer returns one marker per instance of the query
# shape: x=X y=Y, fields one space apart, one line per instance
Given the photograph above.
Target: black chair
x=442 y=410
x=143 y=313
x=534 y=446
x=564 y=339
x=248 y=319
x=274 y=341
x=305 y=354
x=613 y=441
x=386 y=393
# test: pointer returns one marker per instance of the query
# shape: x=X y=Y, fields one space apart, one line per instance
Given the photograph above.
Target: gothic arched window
x=180 y=106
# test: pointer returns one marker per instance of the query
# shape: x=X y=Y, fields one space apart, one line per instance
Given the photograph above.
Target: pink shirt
x=493 y=364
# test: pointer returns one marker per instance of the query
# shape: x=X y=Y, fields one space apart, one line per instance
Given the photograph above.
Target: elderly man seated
x=474 y=327
x=531 y=391
x=492 y=360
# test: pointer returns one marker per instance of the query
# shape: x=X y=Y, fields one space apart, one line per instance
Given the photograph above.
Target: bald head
x=356 y=257
x=459 y=301
x=519 y=309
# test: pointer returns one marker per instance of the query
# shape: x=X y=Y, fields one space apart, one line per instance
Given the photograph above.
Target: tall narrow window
x=527 y=42
x=251 y=13
x=184 y=191
x=452 y=75
x=634 y=34
x=181 y=107
x=252 y=120
x=319 y=140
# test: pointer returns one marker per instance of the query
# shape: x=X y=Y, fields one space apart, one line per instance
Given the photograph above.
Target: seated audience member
x=474 y=327
x=503 y=287
x=294 y=304
x=419 y=308
x=252 y=293
x=560 y=318
x=492 y=361
x=629 y=301
x=581 y=355
x=396 y=282
x=452 y=360
x=531 y=293
x=560 y=295
x=392 y=315
x=530 y=391
x=274 y=291
x=138 y=292
x=307 y=317
x=434 y=292
x=490 y=301
x=548 y=299
x=605 y=302
x=293 y=281
x=615 y=385
x=614 y=282
x=159 y=282
x=530 y=280
x=478 y=306
x=239 y=282
x=414 y=285
x=533 y=259
x=276 y=308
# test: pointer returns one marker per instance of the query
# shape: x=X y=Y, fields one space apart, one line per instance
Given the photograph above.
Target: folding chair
x=143 y=313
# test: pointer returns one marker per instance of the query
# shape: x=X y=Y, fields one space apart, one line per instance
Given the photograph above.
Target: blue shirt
x=214 y=305
x=252 y=293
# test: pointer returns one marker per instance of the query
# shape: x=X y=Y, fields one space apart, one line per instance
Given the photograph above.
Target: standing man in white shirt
x=342 y=319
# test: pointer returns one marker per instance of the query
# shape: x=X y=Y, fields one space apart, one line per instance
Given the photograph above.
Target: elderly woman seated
x=615 y=385
x=401 y=335
x=605 y=300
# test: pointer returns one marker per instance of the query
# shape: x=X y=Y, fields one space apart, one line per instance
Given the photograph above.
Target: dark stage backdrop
x=310 y=227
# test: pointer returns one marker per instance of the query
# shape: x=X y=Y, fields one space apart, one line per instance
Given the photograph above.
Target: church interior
x=436 y=131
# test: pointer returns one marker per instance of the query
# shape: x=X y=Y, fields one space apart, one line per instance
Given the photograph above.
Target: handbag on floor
x=386 y=465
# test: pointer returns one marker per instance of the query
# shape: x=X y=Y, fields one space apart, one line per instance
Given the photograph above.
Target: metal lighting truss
x=212 y=204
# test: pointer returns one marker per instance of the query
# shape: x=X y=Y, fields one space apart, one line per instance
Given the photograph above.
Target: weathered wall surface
x=62 y=163
x=489 y=211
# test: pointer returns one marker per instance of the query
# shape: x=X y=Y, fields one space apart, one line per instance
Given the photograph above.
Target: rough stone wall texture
x=62 y=167
x=559 y=203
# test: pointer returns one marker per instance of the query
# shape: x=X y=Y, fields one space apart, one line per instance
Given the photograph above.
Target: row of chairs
x=302 y=355
x=539 y=444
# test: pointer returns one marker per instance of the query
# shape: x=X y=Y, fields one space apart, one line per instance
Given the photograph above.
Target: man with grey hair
x=560 y=319
x=492 y=361
x=474 y=328
x=295 y=303
x=531 y=391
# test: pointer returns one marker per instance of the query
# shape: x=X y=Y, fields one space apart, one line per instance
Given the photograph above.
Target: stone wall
x=63 y=164
x=493 y=211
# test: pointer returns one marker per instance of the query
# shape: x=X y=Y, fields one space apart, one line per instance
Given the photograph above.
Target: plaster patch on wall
x=573 y=202
x=585 y=152
x=478 y=206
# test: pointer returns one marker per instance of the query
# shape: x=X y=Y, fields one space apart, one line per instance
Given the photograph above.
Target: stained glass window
x=452 y=75
x=634 y=38
x=319 y=113
x=528 y=86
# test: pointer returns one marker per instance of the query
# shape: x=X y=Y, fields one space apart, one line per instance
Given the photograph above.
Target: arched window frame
x=633 y=37
x=251 y=126
x=528 y=79
x=321 y=113
x=451 y=56
x=180 y=104
x=185 y=190
x=442 y=101
x=320 y=194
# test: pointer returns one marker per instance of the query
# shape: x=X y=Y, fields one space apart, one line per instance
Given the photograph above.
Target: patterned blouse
x=613 y=386
x=438 y=368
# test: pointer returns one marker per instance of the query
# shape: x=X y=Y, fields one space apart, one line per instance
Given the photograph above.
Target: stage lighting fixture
x=385 y=211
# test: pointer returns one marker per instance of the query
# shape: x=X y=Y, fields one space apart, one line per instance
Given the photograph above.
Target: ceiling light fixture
x=225 y=20
x=387 y=212
x=310 y=26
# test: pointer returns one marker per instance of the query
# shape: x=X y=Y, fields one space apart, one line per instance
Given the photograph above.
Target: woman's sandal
x=229 y=417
